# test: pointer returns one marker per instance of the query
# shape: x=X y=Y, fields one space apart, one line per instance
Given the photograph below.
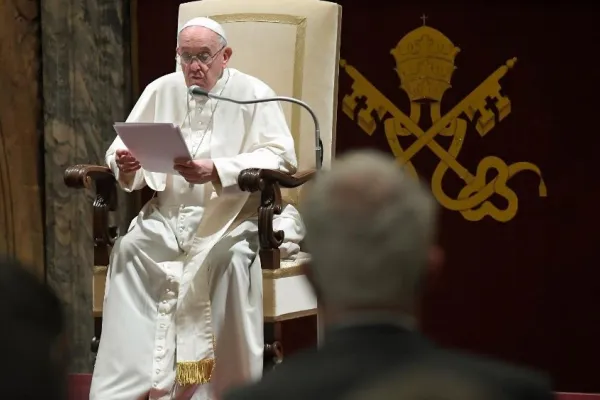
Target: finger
x=127 y=158
x=188 y=177
x=128 y=162
x=125 y=155
x=184 y=168
x=129 y=166
x=130 y=170
x=182 y=161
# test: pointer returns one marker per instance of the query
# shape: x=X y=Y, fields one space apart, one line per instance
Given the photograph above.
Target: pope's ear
x=227 y=55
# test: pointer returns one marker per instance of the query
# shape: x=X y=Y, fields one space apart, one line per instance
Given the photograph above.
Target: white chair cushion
x=286 y=291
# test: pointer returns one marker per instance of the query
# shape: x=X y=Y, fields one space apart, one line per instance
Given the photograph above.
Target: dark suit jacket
x=353 y=357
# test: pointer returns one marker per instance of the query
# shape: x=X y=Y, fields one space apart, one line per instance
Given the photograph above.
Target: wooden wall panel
x=21 y=227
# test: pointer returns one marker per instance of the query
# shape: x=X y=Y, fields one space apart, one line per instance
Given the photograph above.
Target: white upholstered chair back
x=293 y=46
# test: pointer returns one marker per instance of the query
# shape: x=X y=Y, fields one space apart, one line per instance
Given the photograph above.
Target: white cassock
x=183 y=301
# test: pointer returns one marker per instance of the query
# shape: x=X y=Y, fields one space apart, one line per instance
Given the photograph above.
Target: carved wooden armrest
x=269 y=183
x=254 y=179
x=84 y=175
x=100 y=178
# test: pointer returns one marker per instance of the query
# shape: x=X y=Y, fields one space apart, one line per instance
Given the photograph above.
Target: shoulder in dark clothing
x=355 y=358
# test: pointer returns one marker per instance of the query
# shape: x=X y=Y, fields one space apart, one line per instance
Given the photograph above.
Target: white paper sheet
x=155 y=145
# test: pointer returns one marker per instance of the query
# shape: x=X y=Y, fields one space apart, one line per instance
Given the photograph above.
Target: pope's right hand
x=126 y=162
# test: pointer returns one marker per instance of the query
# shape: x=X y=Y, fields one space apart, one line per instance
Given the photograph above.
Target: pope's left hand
x=196 y=171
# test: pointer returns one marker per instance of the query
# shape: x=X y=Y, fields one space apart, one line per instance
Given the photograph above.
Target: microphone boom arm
x=195 y=90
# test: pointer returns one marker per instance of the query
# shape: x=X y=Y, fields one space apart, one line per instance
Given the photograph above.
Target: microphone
x=197 y=91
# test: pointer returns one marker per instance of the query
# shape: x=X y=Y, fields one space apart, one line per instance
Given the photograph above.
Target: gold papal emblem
x=425 y=64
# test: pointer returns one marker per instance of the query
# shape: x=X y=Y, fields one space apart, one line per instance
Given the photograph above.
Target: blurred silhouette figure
x=371 y=234
x=32 y=341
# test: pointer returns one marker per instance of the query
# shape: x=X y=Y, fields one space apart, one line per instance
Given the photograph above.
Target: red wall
x=527 y=290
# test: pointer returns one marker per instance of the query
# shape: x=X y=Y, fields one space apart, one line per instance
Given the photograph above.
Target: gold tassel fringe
x=195 y=372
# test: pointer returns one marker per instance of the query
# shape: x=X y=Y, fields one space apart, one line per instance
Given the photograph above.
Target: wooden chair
x=292 y=45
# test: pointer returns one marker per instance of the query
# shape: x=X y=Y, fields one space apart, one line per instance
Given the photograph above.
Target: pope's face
x=202 y=55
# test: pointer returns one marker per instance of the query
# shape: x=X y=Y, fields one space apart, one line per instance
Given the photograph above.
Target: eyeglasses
x=204 y=58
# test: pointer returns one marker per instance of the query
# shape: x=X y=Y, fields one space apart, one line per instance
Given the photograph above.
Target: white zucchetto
x=206 y=23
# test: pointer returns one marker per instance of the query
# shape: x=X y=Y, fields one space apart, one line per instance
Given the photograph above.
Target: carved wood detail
x=21 y=180
x=269 y=183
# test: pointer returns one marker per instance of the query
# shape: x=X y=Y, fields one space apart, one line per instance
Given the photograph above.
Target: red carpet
x=79 y=388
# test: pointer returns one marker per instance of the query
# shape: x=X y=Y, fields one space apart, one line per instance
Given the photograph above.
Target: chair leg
x=96 y=339
x=273 y=352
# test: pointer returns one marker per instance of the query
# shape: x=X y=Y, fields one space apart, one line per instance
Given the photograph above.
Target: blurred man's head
x=32 y=340
x=370 y=233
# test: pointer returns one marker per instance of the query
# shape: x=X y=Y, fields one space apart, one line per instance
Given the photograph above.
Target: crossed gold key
x=473 y=200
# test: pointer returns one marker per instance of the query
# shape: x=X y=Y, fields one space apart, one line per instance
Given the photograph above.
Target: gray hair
x=369 y=231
